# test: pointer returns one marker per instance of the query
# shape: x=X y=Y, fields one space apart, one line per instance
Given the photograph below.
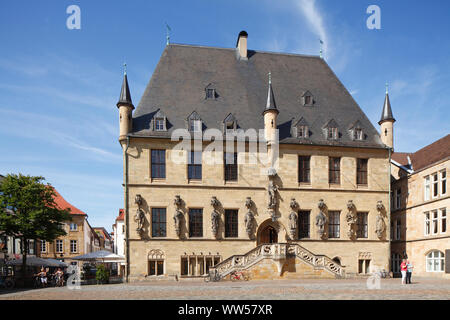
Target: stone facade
x=161 y=193
x=411 y=236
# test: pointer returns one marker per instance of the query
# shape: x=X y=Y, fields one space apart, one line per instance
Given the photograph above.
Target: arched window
x=435 y=261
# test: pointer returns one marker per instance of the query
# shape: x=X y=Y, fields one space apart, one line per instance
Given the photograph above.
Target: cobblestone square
x=320 y=289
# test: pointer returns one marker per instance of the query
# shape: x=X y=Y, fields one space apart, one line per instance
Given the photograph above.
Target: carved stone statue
x=321 y=220
x=249 y=223
x=350 y=218
x=272 y=190
x=293 y=218
x=249 y=218
x=215 y=217
x=140 y=219
x=178 y=215
x=380 y=226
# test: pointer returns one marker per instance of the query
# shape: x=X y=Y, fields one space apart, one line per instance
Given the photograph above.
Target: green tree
x=28 y=211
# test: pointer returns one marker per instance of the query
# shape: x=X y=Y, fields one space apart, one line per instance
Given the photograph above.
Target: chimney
x=241 y=45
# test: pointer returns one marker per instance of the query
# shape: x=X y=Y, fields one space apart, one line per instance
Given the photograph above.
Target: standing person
x=403 y=269
x=409 y=270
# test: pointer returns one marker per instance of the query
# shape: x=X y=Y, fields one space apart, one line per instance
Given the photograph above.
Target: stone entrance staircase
x=279 y=253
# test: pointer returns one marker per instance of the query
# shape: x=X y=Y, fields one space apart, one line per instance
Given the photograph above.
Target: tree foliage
x=28 y=211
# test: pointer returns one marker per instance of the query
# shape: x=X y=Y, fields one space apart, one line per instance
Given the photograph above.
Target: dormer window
x=300 y=128
x=210 y=92
x=356 y=131
x=159 y=121
x=307 y=99
x=331 y=130
x=332 y=133
x=194 y=122
x=230 y=124
x=195 y=126
x=159 y=124
x=302 y=132
x=357 y=134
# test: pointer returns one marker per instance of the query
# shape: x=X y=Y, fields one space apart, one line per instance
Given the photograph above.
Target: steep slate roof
x=178 y=83
x=435 y=152
x=386 y=114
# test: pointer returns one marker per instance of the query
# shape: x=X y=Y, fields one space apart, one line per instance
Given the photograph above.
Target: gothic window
x=158 y=222
x=159 y=121
x=195 y=223
x=300 y=129
x=331 y=130
x=158 y=164
x=334 y=224
x=361 y=172
x=362 y=226
x=155 y=267
x=231 y=223
x=303 y=224
x=304 y=169
x=334 y=174
x=231 y=167
x=197 y=265
x=195 y=165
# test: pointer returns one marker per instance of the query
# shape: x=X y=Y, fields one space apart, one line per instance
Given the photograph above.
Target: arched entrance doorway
x=268 y=235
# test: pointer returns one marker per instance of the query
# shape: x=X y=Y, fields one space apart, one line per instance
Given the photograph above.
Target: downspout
x=127 y=213
x=389 y=215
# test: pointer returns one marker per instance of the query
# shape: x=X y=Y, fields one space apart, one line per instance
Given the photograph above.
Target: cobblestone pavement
x=355 y=289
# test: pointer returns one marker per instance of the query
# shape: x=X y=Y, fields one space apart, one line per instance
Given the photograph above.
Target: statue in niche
x=215 y=217
x=272 y=190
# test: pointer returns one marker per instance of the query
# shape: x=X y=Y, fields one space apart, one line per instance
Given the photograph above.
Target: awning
x=102 y=255
x=37 y=262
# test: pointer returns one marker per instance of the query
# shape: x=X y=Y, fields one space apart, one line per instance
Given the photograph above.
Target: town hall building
x=311 y=200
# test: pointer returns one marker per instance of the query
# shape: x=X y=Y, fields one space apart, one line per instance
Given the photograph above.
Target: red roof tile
x=121 y=216
x=63 y=204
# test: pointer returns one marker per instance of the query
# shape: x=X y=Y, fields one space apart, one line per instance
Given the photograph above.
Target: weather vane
x=125 y=68
x=387 y=87
x=321 y=48
x=168 y=34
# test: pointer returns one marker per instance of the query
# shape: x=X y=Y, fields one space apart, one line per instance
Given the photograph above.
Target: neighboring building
x=119 y=233
x=119 y=238
x=105 y=239
x=328 y=198
x=420 y=204
x=77 y=241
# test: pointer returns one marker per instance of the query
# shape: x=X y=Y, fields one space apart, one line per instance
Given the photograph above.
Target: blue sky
x=59 y=87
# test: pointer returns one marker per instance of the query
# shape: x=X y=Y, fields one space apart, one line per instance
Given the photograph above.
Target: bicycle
x=213 y=277
x=238 y=276
x=6 y=283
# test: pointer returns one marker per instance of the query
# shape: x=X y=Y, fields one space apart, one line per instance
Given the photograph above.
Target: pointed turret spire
x=387 y=110
x=125 y=96
x=271 y=104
